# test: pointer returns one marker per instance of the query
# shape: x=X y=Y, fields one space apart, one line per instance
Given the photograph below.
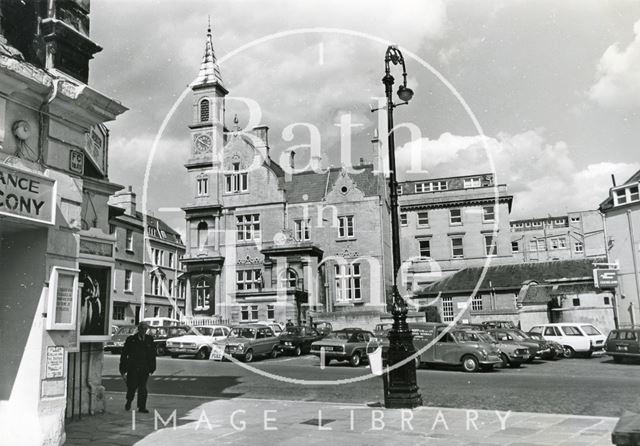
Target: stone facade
x=145 y=266
x=54 y=231
x=622 y=220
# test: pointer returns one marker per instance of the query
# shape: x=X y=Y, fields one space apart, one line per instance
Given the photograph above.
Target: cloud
x=542 y=176
x=618 y=82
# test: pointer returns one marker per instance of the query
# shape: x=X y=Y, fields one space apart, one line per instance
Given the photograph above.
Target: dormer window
x=472 y=182
x=626 y=195
x=205 y=110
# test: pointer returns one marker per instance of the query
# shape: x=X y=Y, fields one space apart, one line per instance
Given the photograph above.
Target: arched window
x=203 y=230
x=205 y=110
x=289 y=279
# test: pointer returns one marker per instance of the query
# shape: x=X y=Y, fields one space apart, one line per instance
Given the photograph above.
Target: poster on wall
x=63 y=291
x=94 y=302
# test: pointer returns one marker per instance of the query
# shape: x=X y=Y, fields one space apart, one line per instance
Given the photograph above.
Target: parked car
x=324 y=328
x=198 y=342
x=161 y=334
x=275 y=326
x=116 y=343
x=623 y=343
x=348 y=344
x=513 y=351
x=574 y=337
x=247 y=342
x=557 y=350
x=298 y=340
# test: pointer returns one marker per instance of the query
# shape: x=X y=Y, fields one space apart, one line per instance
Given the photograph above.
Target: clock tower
x=203 y=213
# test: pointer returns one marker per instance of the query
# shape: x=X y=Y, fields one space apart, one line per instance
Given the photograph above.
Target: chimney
x=291 y=160
x=260 y=138
x=125 y=199
x=613 y=180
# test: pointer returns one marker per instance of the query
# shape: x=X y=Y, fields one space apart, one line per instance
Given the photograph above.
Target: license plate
x=216 y=355
x=622 y=348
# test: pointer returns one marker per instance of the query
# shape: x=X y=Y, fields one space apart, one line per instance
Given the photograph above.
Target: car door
x=445 y=349
x=260 y=343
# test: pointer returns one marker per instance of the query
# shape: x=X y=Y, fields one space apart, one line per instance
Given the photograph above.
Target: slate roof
x=511 y=277
x=209 y=70
x=314 y=185
x=170 y=234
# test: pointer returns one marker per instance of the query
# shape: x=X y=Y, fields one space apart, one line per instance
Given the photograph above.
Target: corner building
x=271 y=242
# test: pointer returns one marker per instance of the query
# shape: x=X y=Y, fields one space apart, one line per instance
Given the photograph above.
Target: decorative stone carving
x=344 y=189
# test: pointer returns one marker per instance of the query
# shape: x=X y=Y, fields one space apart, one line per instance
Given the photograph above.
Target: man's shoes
x=127 y=406
x=143 y=411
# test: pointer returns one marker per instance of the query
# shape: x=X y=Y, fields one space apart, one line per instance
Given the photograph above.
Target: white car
x=198 y=342
x=574 y=337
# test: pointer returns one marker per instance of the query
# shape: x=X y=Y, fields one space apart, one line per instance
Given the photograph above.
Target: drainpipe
x=42 y=117
x=614 y=300
x=635 y=260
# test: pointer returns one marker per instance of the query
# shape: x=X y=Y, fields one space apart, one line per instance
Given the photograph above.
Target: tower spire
x=209 y=70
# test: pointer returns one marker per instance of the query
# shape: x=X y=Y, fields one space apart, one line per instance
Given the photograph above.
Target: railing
x=204 y=320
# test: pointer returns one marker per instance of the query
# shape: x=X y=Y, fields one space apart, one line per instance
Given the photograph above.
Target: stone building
x=453 y=223
x=146 y=264
x=621 y=210
x=57 y=252
x=524 y=293
x=272 y=242
x=572 y=236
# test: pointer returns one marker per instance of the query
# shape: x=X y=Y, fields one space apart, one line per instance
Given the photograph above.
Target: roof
x=169 y=234
x=512 y=276
x=209 y=73
x=310 y=186
x=608 y=202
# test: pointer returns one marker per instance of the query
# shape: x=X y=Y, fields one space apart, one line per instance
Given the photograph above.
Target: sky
x=545 y=94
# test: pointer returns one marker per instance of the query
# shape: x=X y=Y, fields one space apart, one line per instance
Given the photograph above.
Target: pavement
x=184 y=421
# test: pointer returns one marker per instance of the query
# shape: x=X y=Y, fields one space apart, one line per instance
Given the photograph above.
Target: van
x=454 y=346
x=160 y=321
x=574 y=337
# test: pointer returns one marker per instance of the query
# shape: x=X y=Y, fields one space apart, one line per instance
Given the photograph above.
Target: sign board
x=76 y=162
x=96 y=147
x=95 y=303
x=605 y=278
x=27 y=196
x=63 y=299
x=55 y=362
x=96 y=248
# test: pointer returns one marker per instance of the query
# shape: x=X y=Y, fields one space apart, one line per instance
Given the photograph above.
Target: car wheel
x=274 y=352
x=569 y=352
x=203 y=353
x=248 y=356
x=618 y=359
x=354 y=361
x=470 y=363
x=588 y=354
x=515 y=365
x=298 y=351
x=505 y=360
x=174 y=355
x=161 y=350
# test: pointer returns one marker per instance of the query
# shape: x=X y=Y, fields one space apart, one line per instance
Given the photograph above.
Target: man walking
x=137 y=362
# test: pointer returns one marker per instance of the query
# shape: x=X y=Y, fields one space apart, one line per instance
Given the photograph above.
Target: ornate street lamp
x=401 y=387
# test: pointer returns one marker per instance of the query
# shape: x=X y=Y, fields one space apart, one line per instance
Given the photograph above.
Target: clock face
x=203 y=144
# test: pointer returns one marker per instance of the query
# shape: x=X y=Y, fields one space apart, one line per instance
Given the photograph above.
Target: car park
x=348 y=344
x=198 y=342
x=574 y=337
x=247 y=342
x=298 y=340
x=116 y=343
x=623 y=343
x=161 y=334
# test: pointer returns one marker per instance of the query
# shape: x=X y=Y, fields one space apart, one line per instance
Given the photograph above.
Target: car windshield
x=126 y=330
x=177 y=331
x=203 y=331
x=240 y=332
x=341 y=335
x=590 y=330
x=292 y=330
x=463 y=336
x=518 y=335
x=486 y=337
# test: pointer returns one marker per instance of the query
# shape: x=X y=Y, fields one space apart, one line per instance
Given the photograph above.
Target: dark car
x=623 y=343
x=324 y=328
x=161 y=334
x=557 y=350
x=298 y=340
x=117 y=340
x=498 y=324
x=348 y=344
